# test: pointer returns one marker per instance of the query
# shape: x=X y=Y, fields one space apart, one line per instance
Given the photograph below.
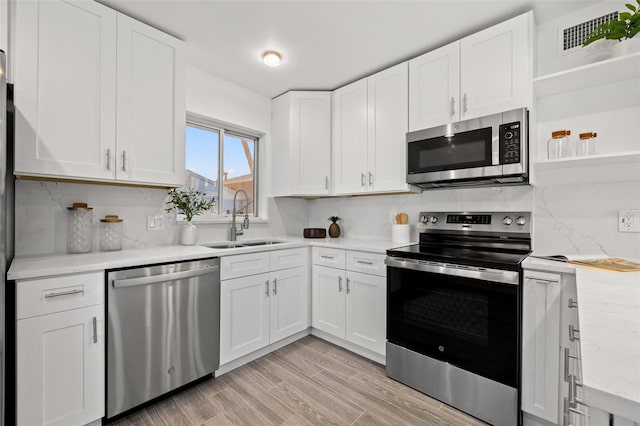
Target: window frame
x=211 y=124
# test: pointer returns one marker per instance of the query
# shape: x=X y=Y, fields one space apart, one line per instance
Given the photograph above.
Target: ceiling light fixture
x=271 y=58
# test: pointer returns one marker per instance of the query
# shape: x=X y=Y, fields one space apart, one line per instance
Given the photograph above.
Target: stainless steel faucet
x=245 y=223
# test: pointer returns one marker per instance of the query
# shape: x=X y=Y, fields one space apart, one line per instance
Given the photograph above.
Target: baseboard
x=373 y=356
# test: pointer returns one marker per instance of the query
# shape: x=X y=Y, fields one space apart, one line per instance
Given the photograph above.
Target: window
x=215 y=155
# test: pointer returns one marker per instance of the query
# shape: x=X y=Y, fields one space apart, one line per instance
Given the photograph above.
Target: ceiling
x=324 y=44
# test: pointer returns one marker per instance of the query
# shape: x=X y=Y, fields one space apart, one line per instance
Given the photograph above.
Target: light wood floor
x=308 y=382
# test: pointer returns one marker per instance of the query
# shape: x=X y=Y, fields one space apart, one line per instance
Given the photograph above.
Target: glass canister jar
x=586 y=145
x=79 y=228
x=559 y=146
x=111 y=233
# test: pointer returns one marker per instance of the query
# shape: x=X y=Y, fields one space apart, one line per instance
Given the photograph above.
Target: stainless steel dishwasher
x=163 y=330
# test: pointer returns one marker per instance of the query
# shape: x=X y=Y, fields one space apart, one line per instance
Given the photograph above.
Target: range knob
x=521 y=220
x=507 y=220
x=425 y=219
x=434 y=219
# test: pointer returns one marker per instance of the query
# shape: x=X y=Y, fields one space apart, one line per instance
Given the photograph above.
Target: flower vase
x=189 y=234
x=334 y=230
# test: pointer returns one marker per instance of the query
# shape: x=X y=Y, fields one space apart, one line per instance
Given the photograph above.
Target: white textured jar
x=79 y=228
x=111 y=233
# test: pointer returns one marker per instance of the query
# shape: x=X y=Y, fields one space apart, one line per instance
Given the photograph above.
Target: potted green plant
x=623 y=29
x=190 y=203
x=334 y=228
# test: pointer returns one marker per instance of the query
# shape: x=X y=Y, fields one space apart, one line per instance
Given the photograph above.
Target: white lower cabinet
x=347 y=304
x=261 y=309
x=60 y=356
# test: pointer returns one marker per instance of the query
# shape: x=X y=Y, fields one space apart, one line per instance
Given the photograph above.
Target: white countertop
x=28 y=267
x=609 y=323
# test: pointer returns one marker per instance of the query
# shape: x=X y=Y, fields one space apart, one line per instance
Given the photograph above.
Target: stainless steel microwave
x=490 y=150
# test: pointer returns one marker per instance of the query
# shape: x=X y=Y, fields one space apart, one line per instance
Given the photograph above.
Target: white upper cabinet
x=434 y=88
x=370 y=119
x=65 y=89
x=151 y=105
x=495 y=68
x=301 y=141
x=350 y=138
x=99 y=96
x=485 y=73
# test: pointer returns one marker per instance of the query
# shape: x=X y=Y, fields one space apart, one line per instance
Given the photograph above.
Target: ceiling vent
x=574 y=36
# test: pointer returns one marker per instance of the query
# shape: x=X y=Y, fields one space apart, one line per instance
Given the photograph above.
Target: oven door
x=467 y=317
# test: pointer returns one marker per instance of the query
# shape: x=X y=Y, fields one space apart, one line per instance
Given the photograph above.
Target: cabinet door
x=366 y=309
x=496 y=73
x=151 y=115
x=350 y=172
x=434 y=88
x=65 y=89
x=541 y=345
x=244 y=316
x=328 y=300
x=310 y=142
x=60 y=368
x=387 y=129
x=289 y=305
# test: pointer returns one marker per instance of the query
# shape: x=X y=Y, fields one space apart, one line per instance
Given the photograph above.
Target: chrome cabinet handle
x=124 y=161
x=464 y=103
x=95 y=330
x=326 y=257
x=63 y=293
x=339 y=284
x=370 y=179
x=568 y=410
x=363 y=262
x=573 y=303
x=573 y=392
x=348 y=287
x=572 y=333
x=275 y=286
x=326 y=182
x=452 y=103
x=266 y=291
x=362 y=177
x=566 y=363
x=108 y=158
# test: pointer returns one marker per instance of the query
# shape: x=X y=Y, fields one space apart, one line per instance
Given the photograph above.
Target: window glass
x=239 y=172
x=202 y=160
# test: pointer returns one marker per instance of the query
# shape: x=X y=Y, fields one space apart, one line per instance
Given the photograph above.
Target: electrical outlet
x=629 y=220
x=155 y=223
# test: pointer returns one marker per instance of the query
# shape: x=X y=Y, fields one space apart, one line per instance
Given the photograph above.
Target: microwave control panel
x=510 y=143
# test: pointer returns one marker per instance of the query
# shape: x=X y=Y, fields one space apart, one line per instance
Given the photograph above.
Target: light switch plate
x=629 y=220
x=155 y=223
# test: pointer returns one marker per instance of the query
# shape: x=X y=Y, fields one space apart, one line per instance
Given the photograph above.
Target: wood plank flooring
x=309 y=382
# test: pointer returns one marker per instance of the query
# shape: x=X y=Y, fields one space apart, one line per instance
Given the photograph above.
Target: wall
x=41 y=206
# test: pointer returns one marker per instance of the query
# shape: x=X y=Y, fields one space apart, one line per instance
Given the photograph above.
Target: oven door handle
x=485 y=274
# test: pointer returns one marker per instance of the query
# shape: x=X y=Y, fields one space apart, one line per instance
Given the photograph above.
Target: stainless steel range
x=453 y=311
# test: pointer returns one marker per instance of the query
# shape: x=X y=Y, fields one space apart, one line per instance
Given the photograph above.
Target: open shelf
x=603 y=72
x=614 y=167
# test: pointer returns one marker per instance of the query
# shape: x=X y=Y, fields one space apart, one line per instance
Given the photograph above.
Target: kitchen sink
x=261 y=243
x=225 y=245
x=239 y=244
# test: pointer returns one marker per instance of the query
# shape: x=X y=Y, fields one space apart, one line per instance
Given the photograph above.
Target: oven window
x=464 y=150
x=470 y=323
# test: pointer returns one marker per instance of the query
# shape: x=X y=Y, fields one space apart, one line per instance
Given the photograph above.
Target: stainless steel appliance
x=491 y=150
x=6 y=217
x=453 y=311
x=163 y=330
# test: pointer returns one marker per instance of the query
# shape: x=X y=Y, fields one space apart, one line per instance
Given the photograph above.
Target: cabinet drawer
x=368 y=263
x=57 y=294
x=243 y=264
x=290 y=258
x=334 y=258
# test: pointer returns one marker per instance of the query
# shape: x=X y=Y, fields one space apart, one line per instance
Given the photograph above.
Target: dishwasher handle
x=160 y=278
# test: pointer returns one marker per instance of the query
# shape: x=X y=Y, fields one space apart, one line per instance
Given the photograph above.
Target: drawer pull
x=364 y=262
x=95 y=330
x=326 y=257
x=266 y=288
x=348 y=289
x=63 y=293
x=275 y=286
x=573 y=392
x=572 y=333
x=573 y=303
x=566 y=363
x=339 y=284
